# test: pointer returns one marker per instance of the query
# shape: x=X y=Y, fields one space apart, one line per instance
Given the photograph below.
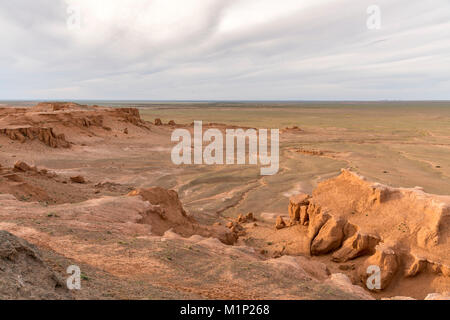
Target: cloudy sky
x=224 y=50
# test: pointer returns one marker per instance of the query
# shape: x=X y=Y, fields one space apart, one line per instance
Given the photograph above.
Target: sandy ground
x=128 y=261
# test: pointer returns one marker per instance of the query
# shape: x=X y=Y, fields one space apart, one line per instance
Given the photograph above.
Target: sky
x=225 y=50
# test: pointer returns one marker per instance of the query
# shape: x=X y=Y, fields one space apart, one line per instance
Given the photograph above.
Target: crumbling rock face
x=246 y=218
x=329 y=237
x=356 y=246
x=130 y=115
x=350 y=217
x=12 y=182
x=236 y=226
x=416 y=265
x=23 y=273
x=45 y=135
x=304 y=217
x=297 y=208
x=167 y=212
x=68 y=119
x=58 y=106
x=317 y=219
x=23 y=167
x=352 y=193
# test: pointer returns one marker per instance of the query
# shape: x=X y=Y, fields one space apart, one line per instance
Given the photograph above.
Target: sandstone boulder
x=249 y=217
x=21 y=166
x=418 y=265
x=317 y=219
x=78 y=179
x=329 y=238
x=358 y=245
x=386 y=259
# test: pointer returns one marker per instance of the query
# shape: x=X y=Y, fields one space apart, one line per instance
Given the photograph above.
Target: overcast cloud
x=225 y=50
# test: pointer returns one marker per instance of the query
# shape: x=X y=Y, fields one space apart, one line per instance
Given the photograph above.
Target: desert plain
x=92 y=184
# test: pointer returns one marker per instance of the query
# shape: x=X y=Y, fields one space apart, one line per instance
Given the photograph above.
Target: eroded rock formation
x=45 y=135
x=349 y=217
x=57 y=124
x=298 y=205
x=167 y=212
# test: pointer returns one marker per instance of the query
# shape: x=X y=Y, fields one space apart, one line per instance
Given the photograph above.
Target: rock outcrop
x=78 y=179
x=57 y=124
x=386 y=259
x=246 y=218
x=349 y=217
x=329 y=238
x=45 y=135
x=342 y=282
x=22 y=166
x=24 y=275
x=167 y=212
x=358 y=245
x=297 y=208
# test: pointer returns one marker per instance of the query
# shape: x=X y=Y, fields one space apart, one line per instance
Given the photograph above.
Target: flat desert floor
x=398 y=144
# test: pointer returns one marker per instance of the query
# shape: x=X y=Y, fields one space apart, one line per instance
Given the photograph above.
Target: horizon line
x=215 y=101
